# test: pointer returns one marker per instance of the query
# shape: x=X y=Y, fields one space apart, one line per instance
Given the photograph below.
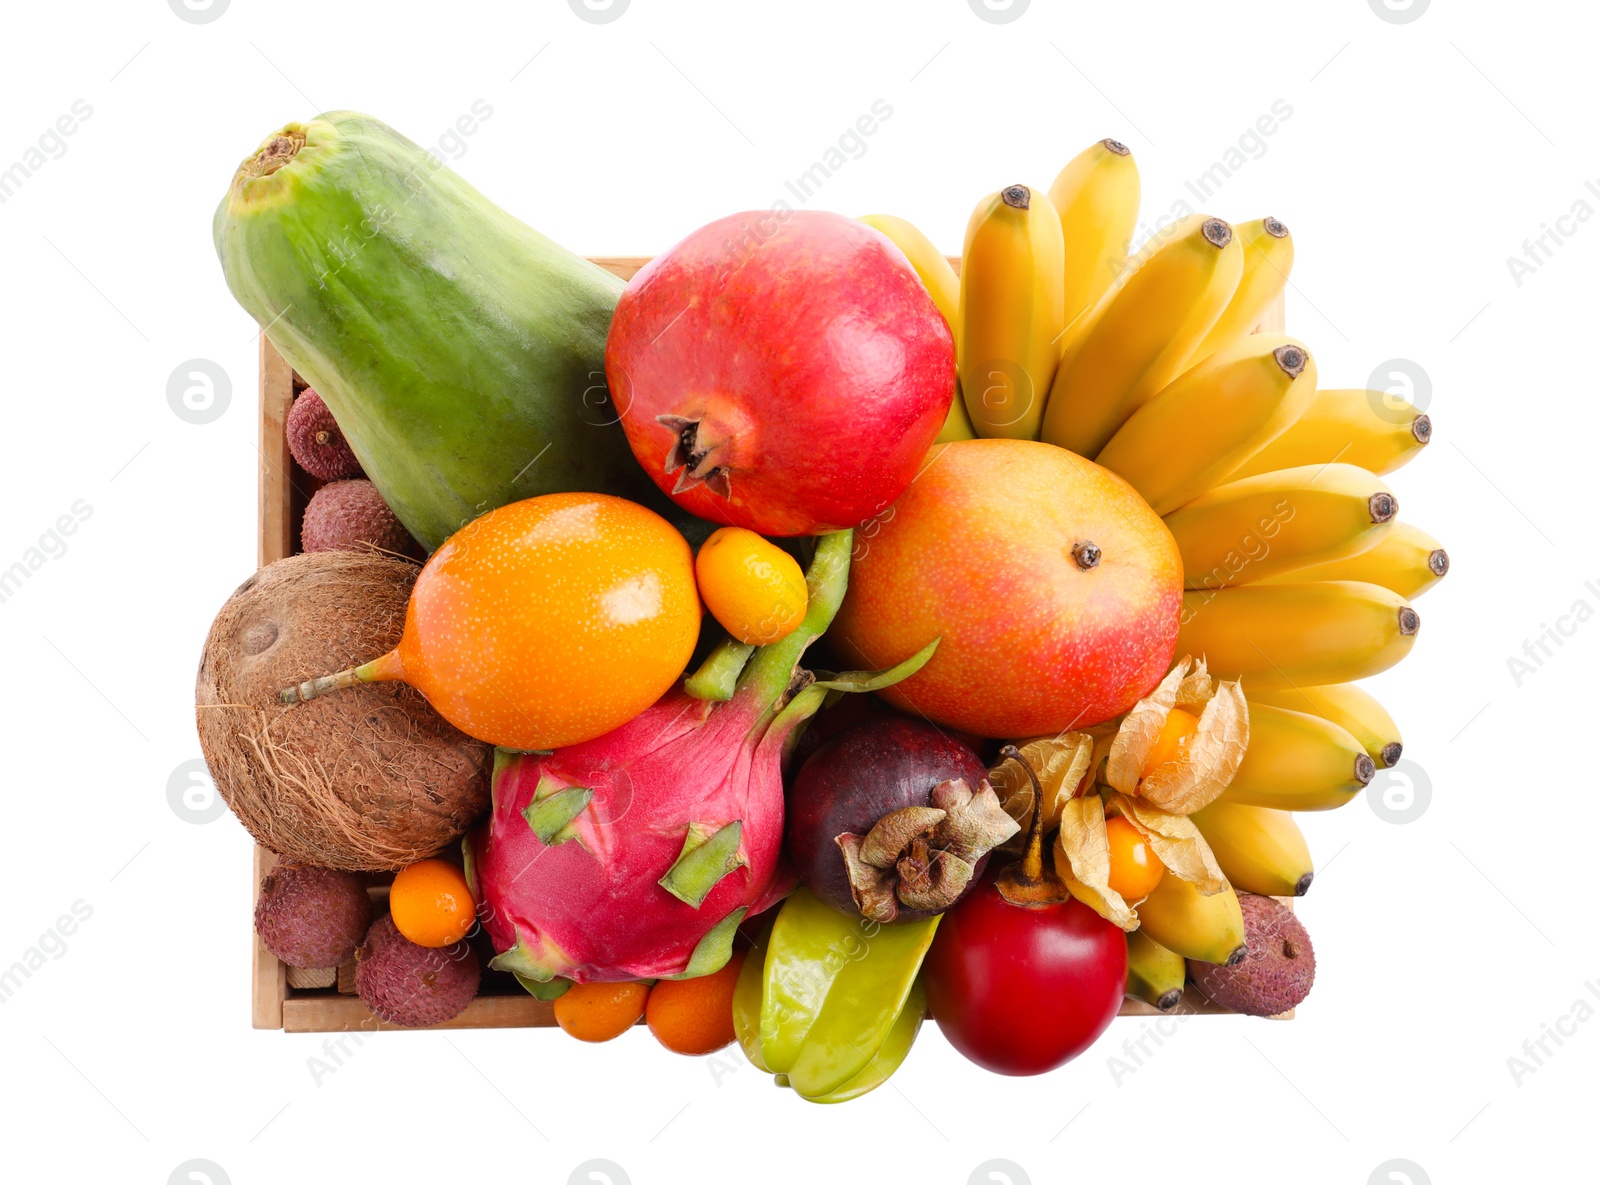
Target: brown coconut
x=365 y=779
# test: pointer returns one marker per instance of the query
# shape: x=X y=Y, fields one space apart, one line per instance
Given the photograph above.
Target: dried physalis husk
x=1209 y=760
x=1060 y=763
x=1175 y=840
x=1195 y=690
x=1083 y=860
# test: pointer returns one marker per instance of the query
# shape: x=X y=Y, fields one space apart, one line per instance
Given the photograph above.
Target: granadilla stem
x=383 y=669
x=1028 y=883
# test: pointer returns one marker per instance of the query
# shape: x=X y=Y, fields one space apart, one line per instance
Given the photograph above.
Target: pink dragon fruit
x=636 y=855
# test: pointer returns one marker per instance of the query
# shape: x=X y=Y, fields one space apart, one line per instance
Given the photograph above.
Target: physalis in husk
x=1173 y=753
x=1187 y=774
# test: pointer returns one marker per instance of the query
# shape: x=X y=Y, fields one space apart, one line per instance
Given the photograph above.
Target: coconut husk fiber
x=364 y=779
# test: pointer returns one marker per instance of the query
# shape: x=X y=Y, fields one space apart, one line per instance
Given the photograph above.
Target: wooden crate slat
x=275 y=501
x=304 y=979
x=268 y=982
x=621 y=266
x=333 y=1013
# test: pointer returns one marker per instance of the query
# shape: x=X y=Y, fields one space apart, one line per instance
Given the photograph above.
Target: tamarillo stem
x=1028 y=883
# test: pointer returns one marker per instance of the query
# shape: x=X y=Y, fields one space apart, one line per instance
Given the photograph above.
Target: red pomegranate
x=781 y=371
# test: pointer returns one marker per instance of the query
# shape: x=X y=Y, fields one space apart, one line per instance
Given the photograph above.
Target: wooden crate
x=275 y=1001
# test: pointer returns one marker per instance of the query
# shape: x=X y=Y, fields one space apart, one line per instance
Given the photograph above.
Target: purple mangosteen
x=892 y=820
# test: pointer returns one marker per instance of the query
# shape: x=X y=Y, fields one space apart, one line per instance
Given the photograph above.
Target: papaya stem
x=278 y=150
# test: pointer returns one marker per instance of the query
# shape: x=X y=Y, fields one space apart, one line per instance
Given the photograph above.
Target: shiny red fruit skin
x=810 y=354
x=1024 y=990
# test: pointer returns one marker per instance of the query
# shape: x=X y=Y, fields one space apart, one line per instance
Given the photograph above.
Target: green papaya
x=461 y=352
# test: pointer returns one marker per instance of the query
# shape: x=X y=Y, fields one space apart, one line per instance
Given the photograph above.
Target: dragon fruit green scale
x=635 y=855
x=590 y=904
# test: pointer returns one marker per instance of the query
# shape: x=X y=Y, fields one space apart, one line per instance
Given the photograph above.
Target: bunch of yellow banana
x=1168 y=367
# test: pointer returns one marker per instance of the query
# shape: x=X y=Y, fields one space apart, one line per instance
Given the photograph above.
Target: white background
x=1417 y=158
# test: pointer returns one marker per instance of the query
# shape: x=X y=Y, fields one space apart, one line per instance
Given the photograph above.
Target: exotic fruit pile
x=1104 y=561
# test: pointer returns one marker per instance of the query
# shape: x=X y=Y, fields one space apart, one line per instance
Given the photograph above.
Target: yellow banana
x=1011 y=311
x=957 y=424
x=1097 y=199
x=1137 y=339
x=1259 y=850
x=1201 y=425
x=931 y=266
x=1298 y=762
x=1407 y=560
x=1372 y=429
x=940 y=279
x=1297 y=635
x=1180 y=918
x=1268 y=256
x=1279 y=522
x=1348 y=706
x=1155 y=974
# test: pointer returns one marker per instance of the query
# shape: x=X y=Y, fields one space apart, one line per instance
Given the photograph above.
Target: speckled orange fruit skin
x=552 y=620
x=978 y=552
x=431 y=903
x=753 y=588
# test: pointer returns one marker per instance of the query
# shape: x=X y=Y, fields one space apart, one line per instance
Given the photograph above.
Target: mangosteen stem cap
x=924 y=857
